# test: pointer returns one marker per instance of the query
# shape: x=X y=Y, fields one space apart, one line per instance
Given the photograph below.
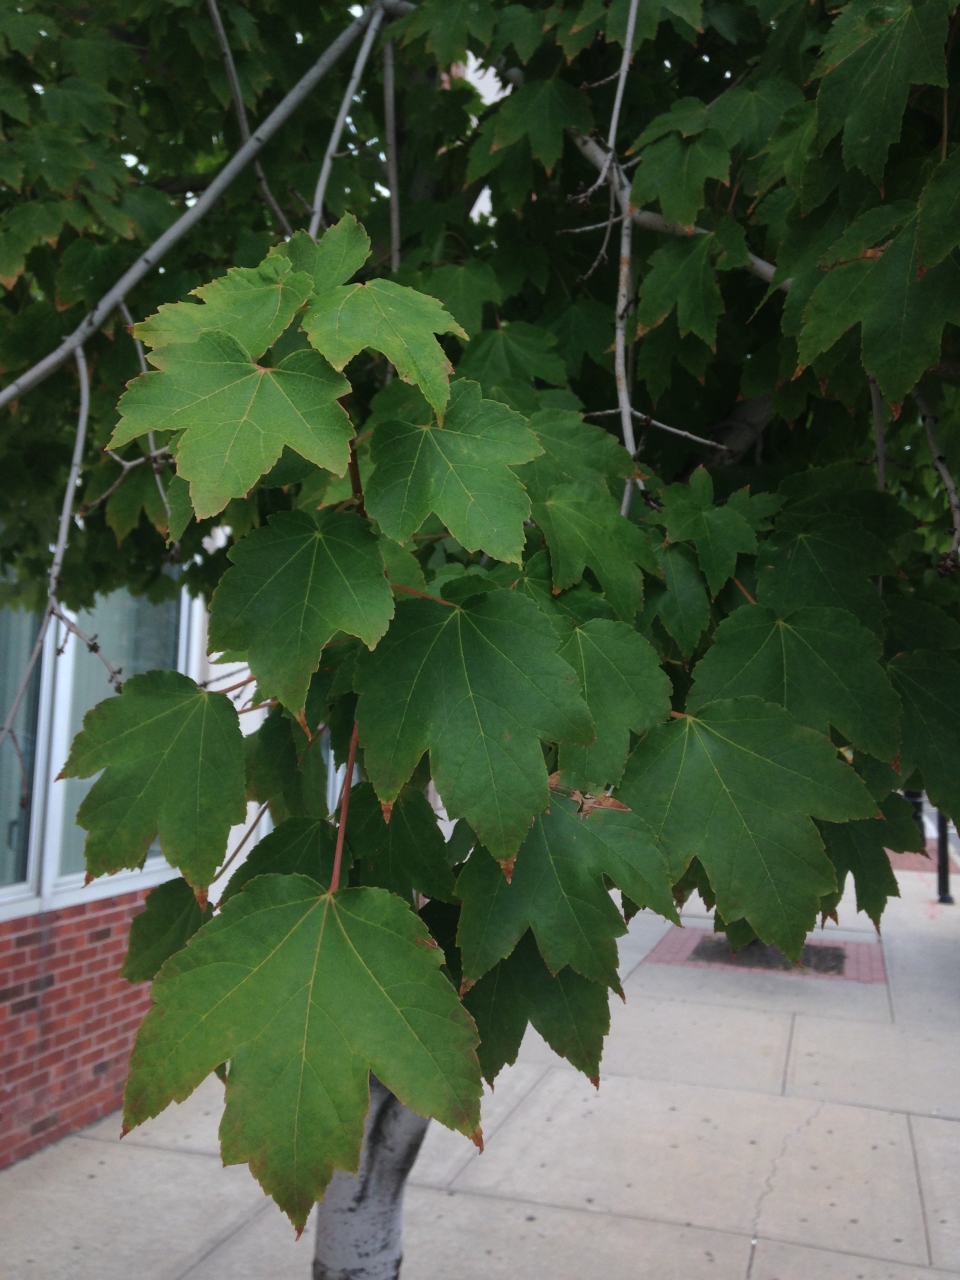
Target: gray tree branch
x=148 y=260
x=393 y=181
x=929 y=421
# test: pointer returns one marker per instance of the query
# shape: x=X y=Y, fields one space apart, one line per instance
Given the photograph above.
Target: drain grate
x=820 y=958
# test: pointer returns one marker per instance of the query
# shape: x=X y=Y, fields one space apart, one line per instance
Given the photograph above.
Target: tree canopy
x=583 y=448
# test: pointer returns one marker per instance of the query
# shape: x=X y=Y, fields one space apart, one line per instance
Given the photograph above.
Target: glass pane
x=136 y=636
x=18 y=631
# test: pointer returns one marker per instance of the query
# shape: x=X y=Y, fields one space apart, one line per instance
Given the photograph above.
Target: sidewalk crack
x=770 y=1179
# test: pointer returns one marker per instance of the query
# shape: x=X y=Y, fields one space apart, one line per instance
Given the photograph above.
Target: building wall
x=67 y=1020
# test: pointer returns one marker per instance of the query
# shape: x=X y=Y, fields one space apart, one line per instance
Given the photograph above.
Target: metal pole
x=943 y=861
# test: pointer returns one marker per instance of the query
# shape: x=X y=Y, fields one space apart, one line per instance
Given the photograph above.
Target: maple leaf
x=683 y=608
x=477 y=686
x=513 y=353
x=674 y=171
x=860 y=849
x=541 y=111
x=405 y=855
x=583 y=527
x=236 y=416
x=306 y=993
x=296 y=847
x=871 y=56
x=570 y=1012
x=557 y=889
x=719 y=534
x=625 y=689
x=938 y=230
x=573 y=451
x=929 y=687
x=820 y=664
x=170 y=918
x=172 y=756
x=461 y=470
x=331 y=260
x=295 y=583
x=737 y=786
x=463 y=289
x=387 y=317
x=682 y=277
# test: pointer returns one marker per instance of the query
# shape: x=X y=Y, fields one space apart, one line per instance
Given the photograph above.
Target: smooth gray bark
x=360 y=1219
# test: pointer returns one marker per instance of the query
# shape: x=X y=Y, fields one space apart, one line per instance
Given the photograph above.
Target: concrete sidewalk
x=749 y=1126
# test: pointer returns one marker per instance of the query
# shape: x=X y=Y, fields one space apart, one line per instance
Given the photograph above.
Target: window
x=41 y=847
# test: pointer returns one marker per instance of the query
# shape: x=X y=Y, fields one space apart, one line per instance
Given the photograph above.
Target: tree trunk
x=359 y=1220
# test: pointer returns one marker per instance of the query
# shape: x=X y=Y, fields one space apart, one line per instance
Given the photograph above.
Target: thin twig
x=594 y=226
x=647 y=220
x=66 y=515
x=876 y=403
x=246 y=836
x=661 y=426
x=241 y=113
x=24 y=783
x=151 y=443
x=344 y=809
x=939 y=461
x=239 y=685
x=235 y=166
x=602 y=255
x=624 y=294
x=271 y=702
x=393 y=181
x=618 y=99
x=352 y=85
x=92 y=646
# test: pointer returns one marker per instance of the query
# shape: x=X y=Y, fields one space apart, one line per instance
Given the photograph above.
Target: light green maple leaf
x=736 y=787
x=929 y=687
x=478 y=686
x=570 y=1012
x=557 y=890
x=236 y=416
x=331 y=260
x=625 y=688
x=391 y=318
x=820 y=664
x=583 y=527
x=406 y=854
x=573 y=450
x=170 y=918
x=305 y=993
x=172 y=756
x=682 y=276
x=871 y=56
x=252 y=304
x=719 y=534
x=294 y=584
x=674 y=170
x=461 y=471
x=541 y=111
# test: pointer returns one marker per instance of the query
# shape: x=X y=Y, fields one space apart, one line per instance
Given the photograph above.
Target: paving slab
x=938 y=1163
x=776 y=1261
x=264 y=1248
x=191 y=1125
x=919 y=1072
x=455 y=1236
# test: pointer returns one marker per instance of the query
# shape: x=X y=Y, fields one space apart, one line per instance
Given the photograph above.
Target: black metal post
x=943 y=860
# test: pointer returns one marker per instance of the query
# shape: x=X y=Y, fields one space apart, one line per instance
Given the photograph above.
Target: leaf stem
x=355 y=482
x=344 y=810
x=246 y=836
x=396 y=586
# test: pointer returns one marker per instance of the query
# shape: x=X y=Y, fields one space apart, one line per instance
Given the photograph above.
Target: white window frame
x=44 y=888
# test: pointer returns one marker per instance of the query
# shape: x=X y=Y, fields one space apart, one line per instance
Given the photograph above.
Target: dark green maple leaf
x=406 y=854
x=170 y=918
x=479 y=686
x=871 y=56
x=306 y=993
x=719 y=534
x=172 y=756
x=235 y=416
x=929 y=687
x=391 y=318
x=820 y=664
x=683 y=608
x=570 y=1012
x=682 y=276
x=463 y=289
x=461 y=470
x=294 y=584
x=674 y=170
x=625 y=688
x=541 y=111
x=515 y=352
x=448 y=25
x=938 y=222
x=573 y=451
x=827 y=562
x=860 y=849
x=557 y=889
x=583 y=527
x=297 y=847
x=736 y=787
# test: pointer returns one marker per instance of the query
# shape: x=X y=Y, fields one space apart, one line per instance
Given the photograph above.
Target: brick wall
x=67 y=1020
